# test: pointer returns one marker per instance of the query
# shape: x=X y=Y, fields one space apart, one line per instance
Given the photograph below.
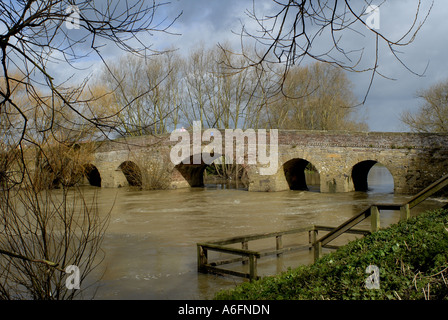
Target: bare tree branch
x=296 y=31
x=38 y=36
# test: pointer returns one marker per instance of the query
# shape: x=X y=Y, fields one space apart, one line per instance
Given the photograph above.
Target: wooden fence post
x=253 y=267
x=244 y=246
x=374 y=219
x=405 y=212
x=278 y=244
x=312 y=237
x=202 y=259
x=317 y=250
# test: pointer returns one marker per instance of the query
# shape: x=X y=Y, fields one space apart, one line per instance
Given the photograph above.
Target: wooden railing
x=244 y=254
x=374 y=213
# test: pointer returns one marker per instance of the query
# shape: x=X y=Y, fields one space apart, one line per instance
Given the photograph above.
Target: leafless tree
x=150 y=89
x=41 y=234
x=38 y=35
x=432 y=115
x=42 y=231
x=325 y=104
x=219 y=96
x=41 y=116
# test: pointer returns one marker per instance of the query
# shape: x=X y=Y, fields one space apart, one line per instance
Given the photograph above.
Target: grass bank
x=412 y=258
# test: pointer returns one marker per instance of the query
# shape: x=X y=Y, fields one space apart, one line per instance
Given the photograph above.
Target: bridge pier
x=111 y=176
x=262 y=183
x=334 y=184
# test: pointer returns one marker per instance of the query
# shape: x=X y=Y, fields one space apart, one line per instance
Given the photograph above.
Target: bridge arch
x=360 y=172
x=132 y=173
x=92 y=175
x=295 y=174
x=193 y=173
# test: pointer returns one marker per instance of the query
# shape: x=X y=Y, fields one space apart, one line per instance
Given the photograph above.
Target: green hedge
x=411 y=256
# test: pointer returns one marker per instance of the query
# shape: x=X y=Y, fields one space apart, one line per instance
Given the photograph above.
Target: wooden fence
x=244 y=254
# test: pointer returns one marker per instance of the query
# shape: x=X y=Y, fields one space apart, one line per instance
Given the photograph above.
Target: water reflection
x=380 y=180
x=150 y=245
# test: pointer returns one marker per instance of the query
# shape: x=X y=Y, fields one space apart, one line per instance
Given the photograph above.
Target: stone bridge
x=342 y=159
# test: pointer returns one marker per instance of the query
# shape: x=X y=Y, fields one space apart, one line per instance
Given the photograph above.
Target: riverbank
x=412 y=258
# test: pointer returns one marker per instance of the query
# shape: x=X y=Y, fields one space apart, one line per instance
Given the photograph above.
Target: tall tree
x=143 y=94
x=432 y=115
x=315 y=97
x=220 y=96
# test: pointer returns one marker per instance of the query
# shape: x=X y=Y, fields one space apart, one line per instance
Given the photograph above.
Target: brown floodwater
x=150 y=244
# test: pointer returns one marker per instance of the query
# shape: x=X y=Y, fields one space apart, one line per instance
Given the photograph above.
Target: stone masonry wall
x=414 y=160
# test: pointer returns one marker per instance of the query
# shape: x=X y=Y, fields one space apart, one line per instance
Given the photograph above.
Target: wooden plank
x=262 y=253
x=312 y=237
x=257 y=236
x=219 y=248
x=344 y=227
x=347 y=227
x=353 y=231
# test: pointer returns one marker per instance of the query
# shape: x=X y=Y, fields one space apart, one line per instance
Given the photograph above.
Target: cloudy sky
x=213 y=21
x=216 y=21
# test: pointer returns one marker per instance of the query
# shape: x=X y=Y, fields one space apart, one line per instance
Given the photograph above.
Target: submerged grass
x=411 y=256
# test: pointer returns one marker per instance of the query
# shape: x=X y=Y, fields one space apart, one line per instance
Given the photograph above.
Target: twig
x=19 y=256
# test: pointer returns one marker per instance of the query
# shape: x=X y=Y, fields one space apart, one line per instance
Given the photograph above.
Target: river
x=150 y=244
